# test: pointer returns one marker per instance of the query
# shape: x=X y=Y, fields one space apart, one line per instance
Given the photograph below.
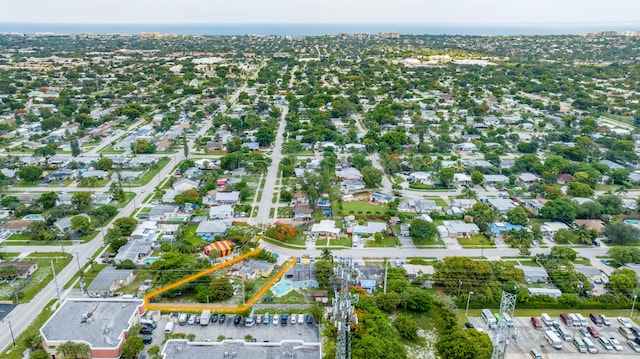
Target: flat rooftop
x=238 y=349
x=104 y=329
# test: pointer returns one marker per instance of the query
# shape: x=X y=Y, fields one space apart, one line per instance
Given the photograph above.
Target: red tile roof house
x=564 y=178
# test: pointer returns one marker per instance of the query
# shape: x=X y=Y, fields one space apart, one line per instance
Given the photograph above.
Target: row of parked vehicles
x=555 y=332
x=206 y=317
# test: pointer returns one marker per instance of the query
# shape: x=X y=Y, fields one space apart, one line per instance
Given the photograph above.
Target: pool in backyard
x=34 y=217
x=631 y=221
x=281 y=288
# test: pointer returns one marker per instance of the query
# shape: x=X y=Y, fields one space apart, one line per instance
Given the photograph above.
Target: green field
x=39 y=279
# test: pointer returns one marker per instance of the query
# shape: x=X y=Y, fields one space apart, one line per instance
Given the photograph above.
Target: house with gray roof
x=457 y=229
x=134 y=250
x=94 y=173
x=224 y=211
x=212 y=228
x=228 y=197
x=109 y=280
x=534 y=274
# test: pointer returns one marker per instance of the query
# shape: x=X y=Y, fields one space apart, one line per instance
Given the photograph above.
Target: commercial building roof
x=239 y=349
x=104 y=328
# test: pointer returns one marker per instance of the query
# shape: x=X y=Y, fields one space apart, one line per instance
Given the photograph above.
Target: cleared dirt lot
x=528 y=338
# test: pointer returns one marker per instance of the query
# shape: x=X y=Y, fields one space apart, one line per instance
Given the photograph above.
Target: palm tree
x=583 y=234
x=326 y=254
x=622 y=190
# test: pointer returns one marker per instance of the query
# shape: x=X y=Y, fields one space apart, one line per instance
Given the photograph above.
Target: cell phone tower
x=503 y=331
x=343 y=306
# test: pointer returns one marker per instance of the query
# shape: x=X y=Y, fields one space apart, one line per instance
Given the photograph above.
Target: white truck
x=205 y=318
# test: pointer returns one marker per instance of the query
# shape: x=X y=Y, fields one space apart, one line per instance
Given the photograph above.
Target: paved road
x=263 y=216
x=24 y=314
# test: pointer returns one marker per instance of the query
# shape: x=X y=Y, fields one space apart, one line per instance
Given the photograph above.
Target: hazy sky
x=476 y=12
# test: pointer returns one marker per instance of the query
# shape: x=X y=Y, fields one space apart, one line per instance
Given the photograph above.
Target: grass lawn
x=109 y=150
x=99 y=183
x=23 y=239
x=278 y=243
x=63 y=183
x=89 y=276
x=293 y=297
x=191 y=237
x=43 y=275
x=285 y=212
x=17 y=352
x=583 y=261
x=359 y=208
x=140 y=276
x=346 y=242
x=88 y=237
x=475 y=241
x=128 y=197
x=436 y=241
x=385 y=242
x=529 y=263
x=439 y=201
x=150 y=173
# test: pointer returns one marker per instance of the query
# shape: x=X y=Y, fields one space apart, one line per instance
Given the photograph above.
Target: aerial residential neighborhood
x=173 y=196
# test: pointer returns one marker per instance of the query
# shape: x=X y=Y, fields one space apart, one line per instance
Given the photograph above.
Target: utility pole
x=55 y=281
x=386 y=266
x=81 y=274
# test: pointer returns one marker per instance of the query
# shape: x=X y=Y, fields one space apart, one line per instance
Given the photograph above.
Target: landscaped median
x=198 y=307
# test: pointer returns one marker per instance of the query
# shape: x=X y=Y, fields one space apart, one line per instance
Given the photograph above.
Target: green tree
x=126 y=225
x=30 y=173
x=324 y=272
x=388 y=302
x=464 y=344
x=579 y=189
x=39 y=354
x=132 y=347
x=421 y=231
x=477 y=177
x=220 y=289
x=518 y=215
x=104 y=164
x=559 y=210
x=82 y=201
x=50 y=124
x=75 y=147
x=45 y=151
x=624 y=255
x=371 y=176
x=406 y=327
x=80 y=224
x=48 y=200
x=114 y=239
x=482 y=215
x=446 y=175
x=185 y=145
x=624 y=281
x=620 y=233
x=265 y=136
x=563 y=253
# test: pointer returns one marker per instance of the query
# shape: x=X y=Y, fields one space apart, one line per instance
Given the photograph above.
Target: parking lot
x=528 y=338
x=259 y=332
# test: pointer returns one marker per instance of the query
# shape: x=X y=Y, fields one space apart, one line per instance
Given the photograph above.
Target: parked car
x=300 y=318
x=616 y=344
x=267 y=300
x=222 y=318
x=237 y=319
x=284 y=320
x=266 y=319
x=634 y=346
x=535 y=354
x=147 y=339
x=146 y=331
x=468 y=325
x=625 y=322
x=191 y=320
x=258 y=319
x=276 y=319
x=593 y=332
x=309 y=319
x=214 y=318
x=605 y=343
x=294 y=319
x=605 y=320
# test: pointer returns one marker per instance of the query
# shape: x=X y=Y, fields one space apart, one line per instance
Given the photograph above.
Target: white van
x=582 y=320
x=591 y=348
x=553 y=339
x=546 y=319
x=169 y=327
x=582 y=348
x=565 y=333
x=574 y=320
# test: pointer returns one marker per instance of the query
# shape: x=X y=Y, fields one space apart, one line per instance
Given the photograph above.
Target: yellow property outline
x=197 y=307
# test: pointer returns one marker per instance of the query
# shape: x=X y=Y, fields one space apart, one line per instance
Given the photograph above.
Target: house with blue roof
x=499 y=229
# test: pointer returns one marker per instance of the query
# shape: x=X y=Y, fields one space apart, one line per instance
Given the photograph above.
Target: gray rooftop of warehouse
x=181 y=349
x=108 y=320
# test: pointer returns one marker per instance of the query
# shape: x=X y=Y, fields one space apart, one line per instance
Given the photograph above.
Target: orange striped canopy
x=223 y=247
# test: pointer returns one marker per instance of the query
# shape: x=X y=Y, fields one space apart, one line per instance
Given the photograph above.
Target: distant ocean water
x=310 y=29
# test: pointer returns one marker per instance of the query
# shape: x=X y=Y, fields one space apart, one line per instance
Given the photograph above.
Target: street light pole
x=633 y=306
x=11 y=330
x=81 y=274
x=466 y=313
